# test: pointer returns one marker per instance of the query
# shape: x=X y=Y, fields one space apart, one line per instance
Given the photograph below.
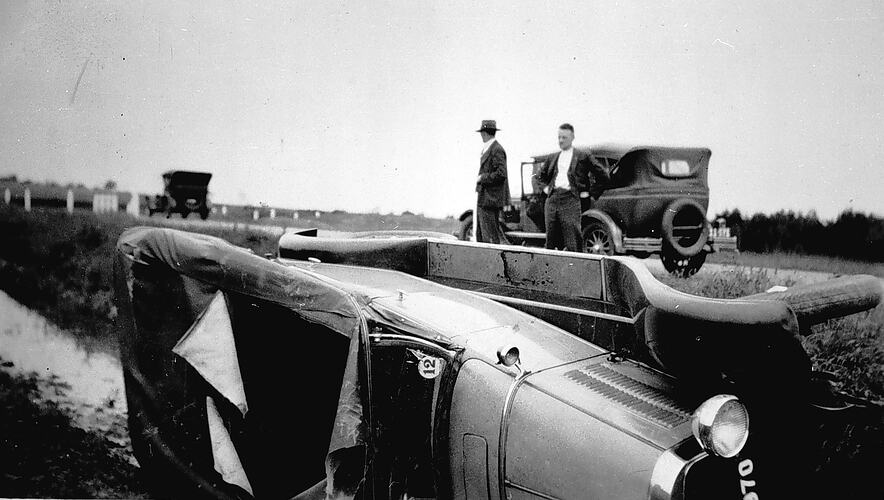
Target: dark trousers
x=488 y=231
x=562 y=216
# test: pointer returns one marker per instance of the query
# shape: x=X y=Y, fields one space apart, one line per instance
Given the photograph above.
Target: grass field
x=815 y=263
x=60 y=265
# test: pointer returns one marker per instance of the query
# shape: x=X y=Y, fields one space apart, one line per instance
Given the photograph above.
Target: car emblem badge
x=429 y=367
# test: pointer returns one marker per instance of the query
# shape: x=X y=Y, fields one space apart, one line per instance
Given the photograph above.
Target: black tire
x=597 y=239
x=466 y=228
x=204 y=214
x=679 y=265
x=684 y=243
x=185 y=213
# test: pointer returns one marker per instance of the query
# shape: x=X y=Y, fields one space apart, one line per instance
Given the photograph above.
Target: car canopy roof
x=616 y=151
x=186 y=178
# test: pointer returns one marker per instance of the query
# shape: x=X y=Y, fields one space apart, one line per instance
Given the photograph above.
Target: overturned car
x=430 y=368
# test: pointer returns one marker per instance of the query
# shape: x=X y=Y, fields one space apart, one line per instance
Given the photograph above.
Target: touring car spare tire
x=684 y=227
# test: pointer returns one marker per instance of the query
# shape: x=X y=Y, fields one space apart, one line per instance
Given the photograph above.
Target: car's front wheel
x=681 y=266
x=597 y=239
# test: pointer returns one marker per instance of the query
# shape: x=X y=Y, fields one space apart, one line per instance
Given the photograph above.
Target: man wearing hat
x=492 y=185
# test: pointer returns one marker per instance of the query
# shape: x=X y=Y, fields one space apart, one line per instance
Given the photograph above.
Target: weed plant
x=61 y=265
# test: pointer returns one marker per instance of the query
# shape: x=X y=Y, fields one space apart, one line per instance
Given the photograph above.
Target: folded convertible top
x=212 y=339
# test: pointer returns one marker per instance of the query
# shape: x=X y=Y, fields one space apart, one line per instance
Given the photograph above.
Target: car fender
x=616 y=233
x=463 y=216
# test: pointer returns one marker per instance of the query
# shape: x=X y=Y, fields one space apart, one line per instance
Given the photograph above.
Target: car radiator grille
x=638 y=397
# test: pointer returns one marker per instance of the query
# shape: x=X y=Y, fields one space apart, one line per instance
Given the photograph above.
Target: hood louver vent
x=638 y=397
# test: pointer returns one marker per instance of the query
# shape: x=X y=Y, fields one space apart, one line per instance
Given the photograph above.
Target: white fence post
x=254 y=215
x=272 y=213
x=133 y=207
x=70 y=199
x=27 y=199
x=7 y=196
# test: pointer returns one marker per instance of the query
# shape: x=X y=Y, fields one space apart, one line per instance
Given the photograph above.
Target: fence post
x=133 y=207
x=272 y=213
x=70 y=199
x=27 y=199
x=7 y=196
x=254 y=215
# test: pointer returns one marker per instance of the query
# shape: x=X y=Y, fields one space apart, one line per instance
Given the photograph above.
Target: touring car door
x=533 y=199
x=618 y=198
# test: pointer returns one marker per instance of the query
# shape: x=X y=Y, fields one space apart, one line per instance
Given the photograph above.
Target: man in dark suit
x=492 y=186
x=569 y=176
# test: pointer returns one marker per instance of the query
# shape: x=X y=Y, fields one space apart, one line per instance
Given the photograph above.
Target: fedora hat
x=488 y=125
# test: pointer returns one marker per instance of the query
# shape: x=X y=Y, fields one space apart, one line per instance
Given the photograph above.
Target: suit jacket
x=585 y=174
x=493 y=187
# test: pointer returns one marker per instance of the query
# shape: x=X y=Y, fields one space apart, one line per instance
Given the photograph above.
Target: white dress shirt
x=487 y=145
x=564 y=164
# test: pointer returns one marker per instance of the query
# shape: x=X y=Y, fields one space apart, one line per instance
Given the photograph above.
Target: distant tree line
x=852 y=235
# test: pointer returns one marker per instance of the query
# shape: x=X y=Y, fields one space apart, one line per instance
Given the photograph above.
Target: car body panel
x=407 y=391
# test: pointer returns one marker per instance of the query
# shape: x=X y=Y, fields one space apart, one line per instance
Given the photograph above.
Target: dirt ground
x=63 y=416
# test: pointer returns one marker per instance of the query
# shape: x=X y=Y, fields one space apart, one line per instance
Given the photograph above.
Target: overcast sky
x=366 y=106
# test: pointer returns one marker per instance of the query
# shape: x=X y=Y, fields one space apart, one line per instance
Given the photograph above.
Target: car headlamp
x=721 y=425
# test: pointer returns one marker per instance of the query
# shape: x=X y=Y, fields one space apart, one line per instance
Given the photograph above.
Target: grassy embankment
x=815 y=263
x=60 y=265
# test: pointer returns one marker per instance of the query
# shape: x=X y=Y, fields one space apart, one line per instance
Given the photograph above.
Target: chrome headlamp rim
x=703 y=420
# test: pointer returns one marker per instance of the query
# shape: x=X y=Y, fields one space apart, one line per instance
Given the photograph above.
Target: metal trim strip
x=553 y=307
x=528 y=490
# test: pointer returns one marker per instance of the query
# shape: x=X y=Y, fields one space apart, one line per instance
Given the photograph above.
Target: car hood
x=623 y=394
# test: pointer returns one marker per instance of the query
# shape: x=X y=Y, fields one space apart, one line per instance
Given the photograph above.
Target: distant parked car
x=184 y=192
x=655 y=203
